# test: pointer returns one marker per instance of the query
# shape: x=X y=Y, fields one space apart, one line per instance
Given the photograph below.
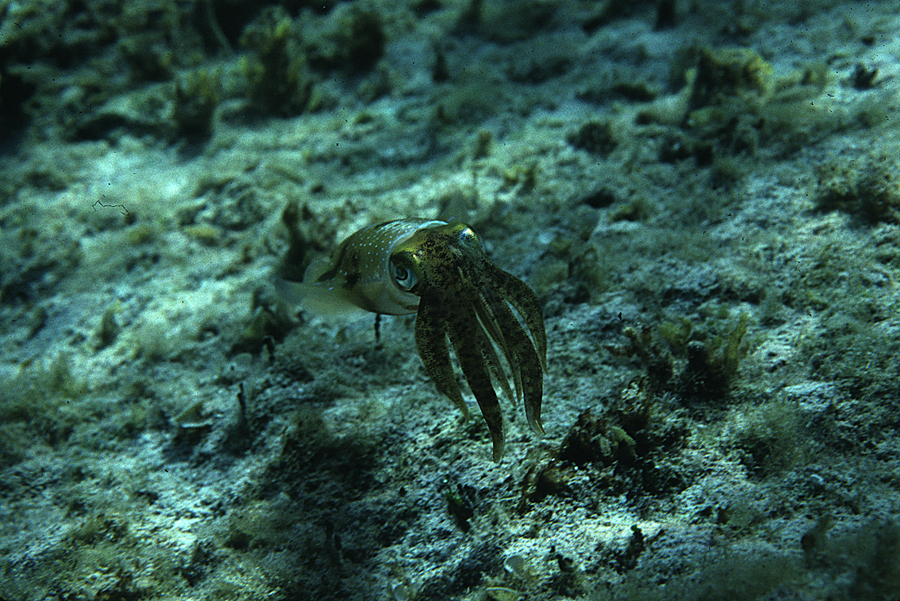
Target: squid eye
x=404 y=277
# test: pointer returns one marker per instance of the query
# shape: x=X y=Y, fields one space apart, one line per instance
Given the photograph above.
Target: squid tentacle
x=483 y=304
x=526 y=303
x=465 y=342
x=431 y=342
x=489 y=352
x=526 y=361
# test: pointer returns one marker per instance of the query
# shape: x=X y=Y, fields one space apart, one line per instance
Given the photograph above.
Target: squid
x=462 y=301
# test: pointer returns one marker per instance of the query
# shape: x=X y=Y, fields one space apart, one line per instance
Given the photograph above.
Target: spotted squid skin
x=357 y=274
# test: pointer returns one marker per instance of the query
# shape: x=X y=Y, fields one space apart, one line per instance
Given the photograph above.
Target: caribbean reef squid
x=440 y=272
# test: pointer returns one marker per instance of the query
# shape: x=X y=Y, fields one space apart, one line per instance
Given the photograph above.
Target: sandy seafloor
x=704 y=196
